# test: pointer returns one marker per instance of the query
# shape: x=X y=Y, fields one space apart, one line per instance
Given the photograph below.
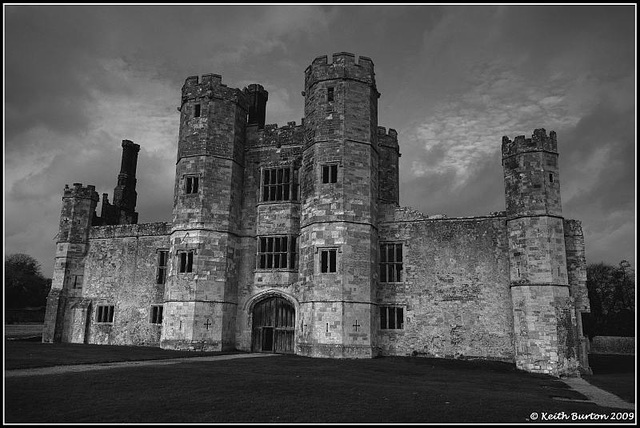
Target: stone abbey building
x=291 y=239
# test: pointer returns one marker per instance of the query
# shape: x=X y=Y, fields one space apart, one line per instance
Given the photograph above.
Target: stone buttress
x=67 y=313
x=339 y=194
x=545 y=326
x=201 y=289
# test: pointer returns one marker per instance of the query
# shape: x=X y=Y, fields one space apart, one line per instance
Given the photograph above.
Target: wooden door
x=273 y=326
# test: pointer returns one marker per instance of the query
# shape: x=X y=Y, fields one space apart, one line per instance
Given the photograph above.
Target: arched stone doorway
x=274 y=321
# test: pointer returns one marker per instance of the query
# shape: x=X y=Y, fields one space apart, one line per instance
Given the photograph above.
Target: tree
x=612 y=297
x=25 y=286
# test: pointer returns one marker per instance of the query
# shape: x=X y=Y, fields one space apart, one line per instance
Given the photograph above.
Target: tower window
x=391 y=318
x=277 y=184
x=277 y=252
x=329 y=94
x=329 y=173
x=191 y=184
x=105 y=313
x=391 y=262
x=161 y=274
x=156 y=314
x=196 y=112
x=328 y=259
x=186 y=261
x=550 y=178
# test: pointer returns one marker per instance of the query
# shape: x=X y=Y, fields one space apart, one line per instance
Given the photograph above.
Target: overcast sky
x=453 y=79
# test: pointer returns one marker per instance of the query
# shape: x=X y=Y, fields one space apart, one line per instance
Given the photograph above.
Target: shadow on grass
x=615 y=374
x=283 y=389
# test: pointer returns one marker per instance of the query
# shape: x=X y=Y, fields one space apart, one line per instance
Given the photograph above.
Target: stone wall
x=455 y=288
x=120 y=270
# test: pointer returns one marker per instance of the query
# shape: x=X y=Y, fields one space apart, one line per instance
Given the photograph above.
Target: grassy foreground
x=284 y=389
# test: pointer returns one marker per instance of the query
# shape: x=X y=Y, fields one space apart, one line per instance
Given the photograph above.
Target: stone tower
x=544 y=312
x=78 y=209
x=201 y=289
x=339 y=194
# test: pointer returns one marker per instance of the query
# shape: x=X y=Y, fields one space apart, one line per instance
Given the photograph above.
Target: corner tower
x=545 y=326
x=78 y=209
x=339 y=193
x=201 y=290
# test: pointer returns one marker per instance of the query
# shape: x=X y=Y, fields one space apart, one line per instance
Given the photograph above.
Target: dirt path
x=104 y=366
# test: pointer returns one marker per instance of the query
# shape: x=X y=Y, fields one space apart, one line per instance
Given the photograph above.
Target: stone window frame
x=331 y=94
x=391 y=315
x=74 y=282
x=188 y=185
x=328 y=250
x=329 y=167
x=156 y=314
x=393 y=267
x=263 y=253
x=162 y=269
x=105 y=314
x=186 y=260
x=289 y=187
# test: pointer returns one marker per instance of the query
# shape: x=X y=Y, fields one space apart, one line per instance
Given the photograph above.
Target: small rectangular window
x=391 y=318
x=328 y=261
x=196 y=112
x=550 y=178
x=329 y=173
x=191 y=184
x=161 y=273
x=156 y=314
x=329 y=94
x=77 y=281
x=186 y=262
x=391 y=262
x=104 y=313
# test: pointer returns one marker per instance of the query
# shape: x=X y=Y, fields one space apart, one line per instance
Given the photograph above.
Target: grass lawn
x=282 y=389
x=28 y=354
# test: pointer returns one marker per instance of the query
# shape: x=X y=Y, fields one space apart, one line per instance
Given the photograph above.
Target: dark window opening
x=391 y=318
x=156 y=314
x=329 y=94
x=328 y=260
x=390 y=262
x=550 y=178
x=277 y=184
x=105 y=313
x=77 y=281
x=191 y=185
x=278 y=252
x=161 y=274
x=329 y=173
x=196 y=113
x=186 y=262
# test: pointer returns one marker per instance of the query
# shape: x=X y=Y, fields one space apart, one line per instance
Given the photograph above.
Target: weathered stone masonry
x=291 y=239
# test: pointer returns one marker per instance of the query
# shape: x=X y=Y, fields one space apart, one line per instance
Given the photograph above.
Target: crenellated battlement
x=539 y=141
x=387 y=137
x=344 y=66
x=272 y=135
x=80 y=191
x=210 y=86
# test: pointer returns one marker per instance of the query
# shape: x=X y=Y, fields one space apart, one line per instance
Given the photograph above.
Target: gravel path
x=598 y=396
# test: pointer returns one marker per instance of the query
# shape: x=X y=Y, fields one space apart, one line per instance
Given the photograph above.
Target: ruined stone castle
x=291 y=240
